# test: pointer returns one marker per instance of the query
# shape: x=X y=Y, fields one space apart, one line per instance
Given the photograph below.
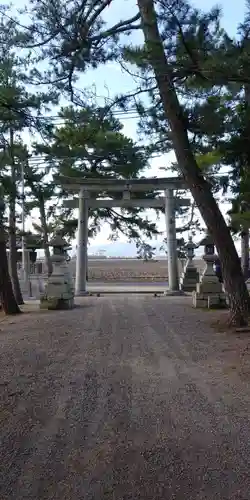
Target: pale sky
x=111 y=77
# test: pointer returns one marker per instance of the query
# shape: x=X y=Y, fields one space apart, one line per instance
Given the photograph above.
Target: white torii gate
x=88 y=190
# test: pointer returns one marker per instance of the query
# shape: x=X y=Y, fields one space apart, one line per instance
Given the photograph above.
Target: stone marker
x=59 y=290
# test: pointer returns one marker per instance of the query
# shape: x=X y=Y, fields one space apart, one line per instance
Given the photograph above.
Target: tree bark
x=7 y=297
x=244 y=239
x=12 y=229
x=45 y=237
x=235 y=286
x=244 y=207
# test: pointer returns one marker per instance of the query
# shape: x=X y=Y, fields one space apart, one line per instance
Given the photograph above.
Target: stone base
x=209 y=288
x=53 y=303
x=209 y=301
x=215 y=302
x=188 y=287
x=189 y=279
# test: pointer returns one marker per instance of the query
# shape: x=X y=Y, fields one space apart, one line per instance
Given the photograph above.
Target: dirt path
x=124 y=398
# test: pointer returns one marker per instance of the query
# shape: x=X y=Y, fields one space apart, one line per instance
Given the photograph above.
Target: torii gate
x=89 y=189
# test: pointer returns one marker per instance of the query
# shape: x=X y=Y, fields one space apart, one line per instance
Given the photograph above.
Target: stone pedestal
x=59 y=290
x=209 y=291
x=190 y=277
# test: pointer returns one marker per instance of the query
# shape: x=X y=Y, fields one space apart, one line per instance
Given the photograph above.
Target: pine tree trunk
x=244 y=239
x=200 y=189
x=7 y=297
x=48 y=259
x=12 y=231
x=13 y=255
x=45 y=237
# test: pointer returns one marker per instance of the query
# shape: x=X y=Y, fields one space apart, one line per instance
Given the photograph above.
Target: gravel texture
x=125 y=397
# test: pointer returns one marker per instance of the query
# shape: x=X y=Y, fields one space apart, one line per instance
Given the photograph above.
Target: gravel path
x=126 y=397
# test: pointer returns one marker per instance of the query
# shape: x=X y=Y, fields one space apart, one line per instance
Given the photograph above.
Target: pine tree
x=82 y=147
x=20 y=111
x=8 y=301
x=199 y=187
x=145 y=251
x=39 y=193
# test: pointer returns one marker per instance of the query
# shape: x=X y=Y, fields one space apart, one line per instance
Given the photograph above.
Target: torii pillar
x=173 y=274
x=82 y=246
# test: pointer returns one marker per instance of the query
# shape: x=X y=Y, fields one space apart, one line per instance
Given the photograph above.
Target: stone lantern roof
x=58 y=241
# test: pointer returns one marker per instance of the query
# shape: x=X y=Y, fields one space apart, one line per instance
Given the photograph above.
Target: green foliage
x=145 y=251
x=70 y=37
x=209 y=161
x=20 y=109
x=91 y=144
x=181 y=247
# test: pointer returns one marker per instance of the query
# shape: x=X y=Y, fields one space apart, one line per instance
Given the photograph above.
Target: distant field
x=131 y=270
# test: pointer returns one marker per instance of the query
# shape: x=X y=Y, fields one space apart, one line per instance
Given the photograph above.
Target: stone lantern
x=209 y=292
x=32 y=243
x=190 y=247
x=18 y=256
x=190 y=274
x=59 y=292
x=32 y=255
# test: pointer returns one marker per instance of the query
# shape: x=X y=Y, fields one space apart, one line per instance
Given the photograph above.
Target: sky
x=108 y=80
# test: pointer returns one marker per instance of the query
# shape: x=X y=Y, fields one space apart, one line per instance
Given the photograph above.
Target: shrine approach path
x=125 y=397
